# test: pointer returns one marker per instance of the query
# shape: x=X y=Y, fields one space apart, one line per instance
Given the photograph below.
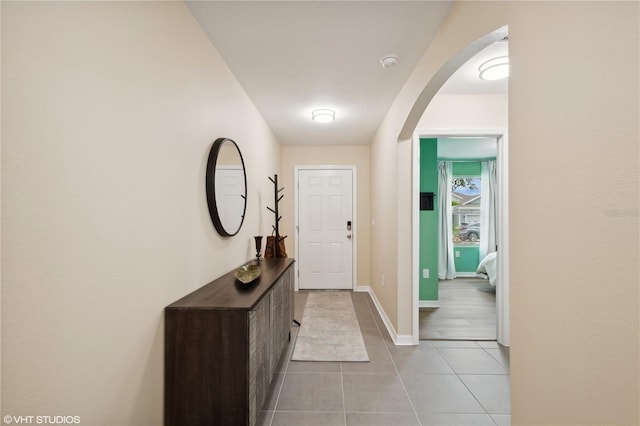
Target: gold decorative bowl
x=248 y=273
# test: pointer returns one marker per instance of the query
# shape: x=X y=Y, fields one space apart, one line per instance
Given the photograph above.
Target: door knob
x=349 y=236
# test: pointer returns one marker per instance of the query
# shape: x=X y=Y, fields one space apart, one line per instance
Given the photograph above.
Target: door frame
x=354 y=216
x=502 y=239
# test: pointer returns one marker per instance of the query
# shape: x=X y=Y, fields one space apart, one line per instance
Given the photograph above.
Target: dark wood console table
x=222 y=345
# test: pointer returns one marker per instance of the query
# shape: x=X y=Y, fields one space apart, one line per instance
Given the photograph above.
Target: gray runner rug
x=329 y=330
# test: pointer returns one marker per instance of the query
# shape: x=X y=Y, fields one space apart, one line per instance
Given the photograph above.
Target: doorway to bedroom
x=458 y=239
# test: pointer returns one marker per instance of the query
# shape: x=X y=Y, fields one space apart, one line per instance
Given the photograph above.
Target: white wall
x=109 y=110
x=478 y=111
x=574 y=133
x=573 y=162
x=467 y=148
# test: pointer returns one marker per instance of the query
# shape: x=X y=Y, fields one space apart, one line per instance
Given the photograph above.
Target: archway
x=407 y=137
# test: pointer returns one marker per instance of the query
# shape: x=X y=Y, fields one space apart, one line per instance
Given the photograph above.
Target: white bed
x=488 y=268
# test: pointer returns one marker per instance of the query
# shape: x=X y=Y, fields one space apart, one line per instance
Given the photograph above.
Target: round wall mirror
x=226 y=185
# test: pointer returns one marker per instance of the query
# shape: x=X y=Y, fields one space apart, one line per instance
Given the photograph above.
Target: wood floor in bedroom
x=467 y=312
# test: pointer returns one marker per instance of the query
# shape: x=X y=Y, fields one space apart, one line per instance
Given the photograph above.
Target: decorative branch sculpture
x=276 y=227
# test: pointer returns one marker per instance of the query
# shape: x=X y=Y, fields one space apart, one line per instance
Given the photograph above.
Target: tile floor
x=436 y=383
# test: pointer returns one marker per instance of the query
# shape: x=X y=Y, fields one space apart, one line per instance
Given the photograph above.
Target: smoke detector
x=388 y=61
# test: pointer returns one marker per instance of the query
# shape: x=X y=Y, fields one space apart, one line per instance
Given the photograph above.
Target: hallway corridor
x=435 y=383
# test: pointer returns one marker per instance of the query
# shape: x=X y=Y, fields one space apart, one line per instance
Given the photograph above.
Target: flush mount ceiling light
x=494 y=69
x=388 y=61
x=323 y=115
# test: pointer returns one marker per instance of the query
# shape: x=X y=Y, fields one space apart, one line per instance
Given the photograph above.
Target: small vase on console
x=258 y=247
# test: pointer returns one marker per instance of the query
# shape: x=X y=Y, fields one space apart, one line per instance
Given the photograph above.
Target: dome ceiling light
x=323 y=115
x=494 y=69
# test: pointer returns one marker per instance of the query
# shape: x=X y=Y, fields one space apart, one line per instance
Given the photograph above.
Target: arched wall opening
x=407 y=244
x=463 y=35
x=408 y=131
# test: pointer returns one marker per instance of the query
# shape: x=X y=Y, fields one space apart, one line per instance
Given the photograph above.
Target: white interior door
x=325 y=229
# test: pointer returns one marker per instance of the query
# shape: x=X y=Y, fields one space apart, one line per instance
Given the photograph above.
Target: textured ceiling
x=292 y=57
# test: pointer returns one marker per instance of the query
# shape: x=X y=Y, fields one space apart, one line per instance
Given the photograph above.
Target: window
x=465 y=201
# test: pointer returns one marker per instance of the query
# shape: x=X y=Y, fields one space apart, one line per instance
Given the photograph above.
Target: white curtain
x=446 y=262
x=488 y=209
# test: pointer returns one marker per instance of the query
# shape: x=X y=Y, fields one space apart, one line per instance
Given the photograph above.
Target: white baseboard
x=404 y=340
x=429 y=304
x=398 y=339
x=466 y=275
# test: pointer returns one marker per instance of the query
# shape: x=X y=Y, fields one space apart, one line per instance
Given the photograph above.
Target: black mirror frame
x=210 y=186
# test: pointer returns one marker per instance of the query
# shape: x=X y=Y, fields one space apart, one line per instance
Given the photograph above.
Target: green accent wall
x=466 y=258
x=466 y=168
x=429 y=220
